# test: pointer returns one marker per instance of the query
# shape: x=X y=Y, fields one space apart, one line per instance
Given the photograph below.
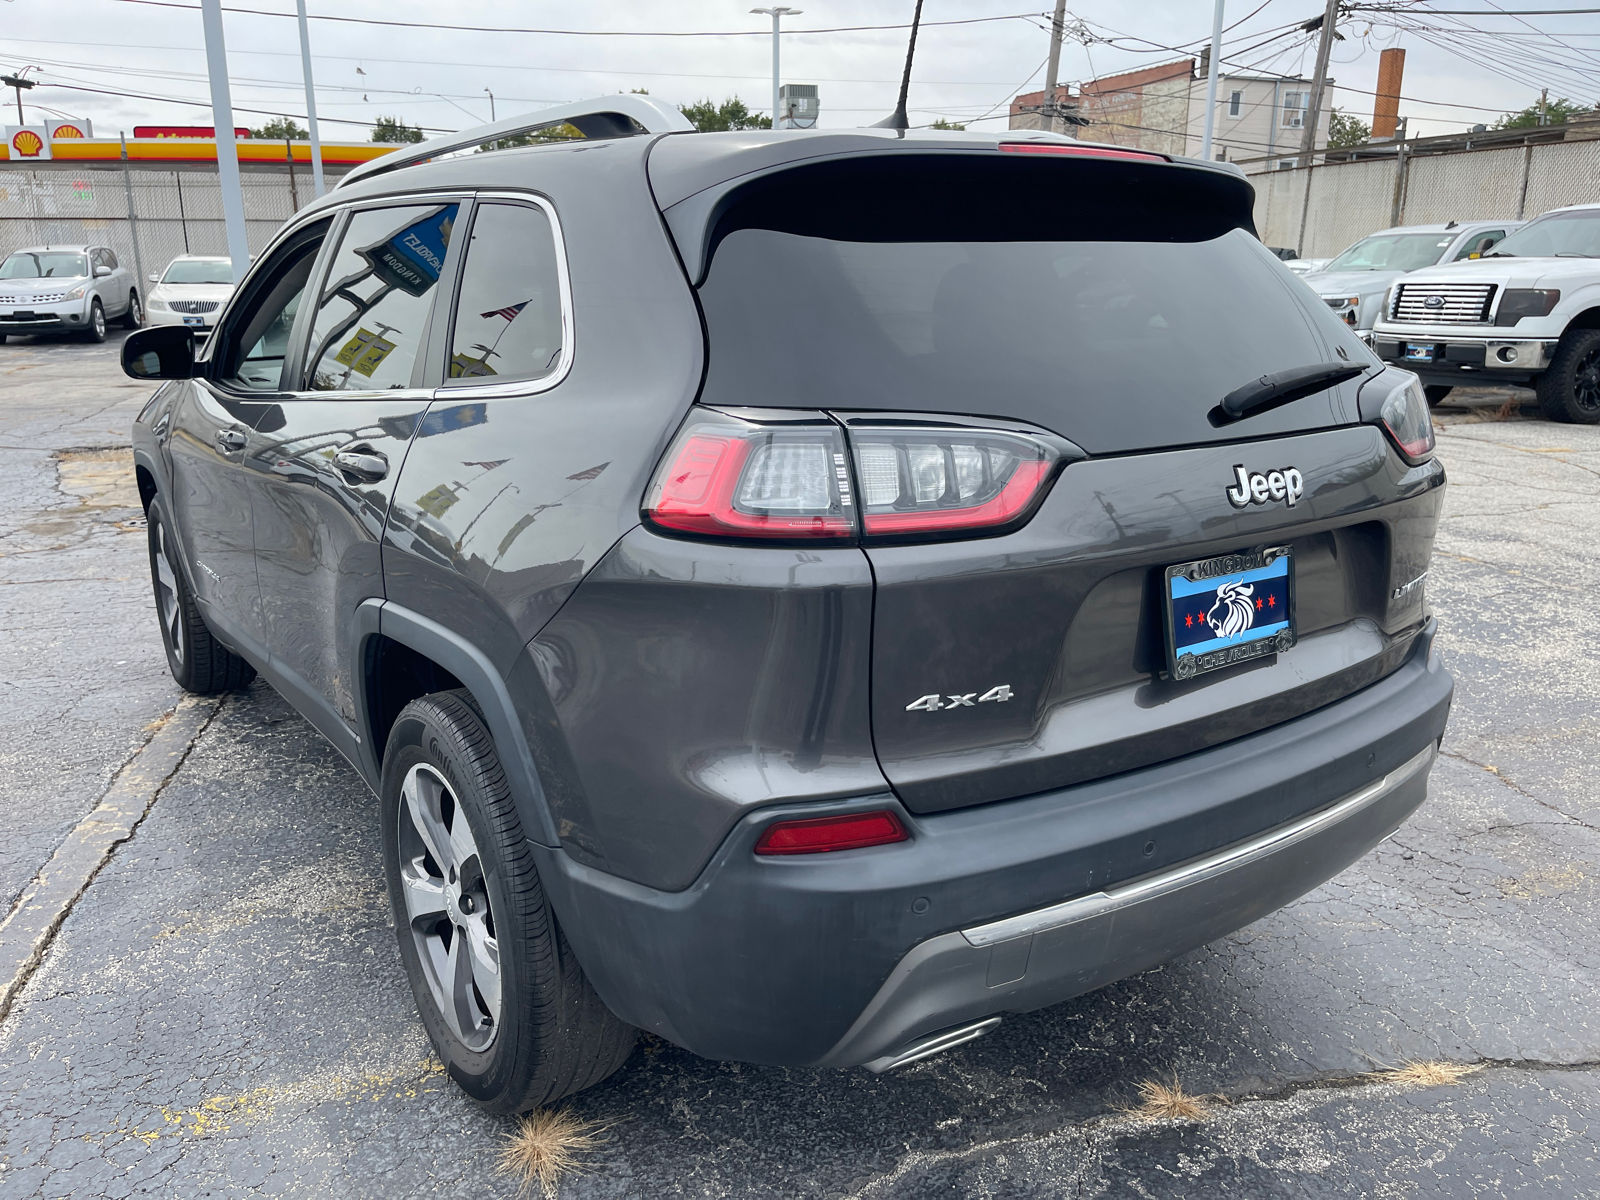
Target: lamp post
x=776 y=14
x=227 y=151
x=1211 y=82
x=311 y=98
x=491 y=106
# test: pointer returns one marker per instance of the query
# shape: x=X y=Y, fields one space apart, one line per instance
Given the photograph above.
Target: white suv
x=71 y=289
x=1527 y=312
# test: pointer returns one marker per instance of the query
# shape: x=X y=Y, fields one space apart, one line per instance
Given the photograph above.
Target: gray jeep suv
x=804 y=594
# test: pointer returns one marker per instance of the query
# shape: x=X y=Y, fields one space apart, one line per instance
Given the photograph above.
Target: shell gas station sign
x=75 y=141
x=37 y=141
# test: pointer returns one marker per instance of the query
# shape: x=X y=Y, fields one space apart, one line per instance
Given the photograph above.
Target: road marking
x=27 y=931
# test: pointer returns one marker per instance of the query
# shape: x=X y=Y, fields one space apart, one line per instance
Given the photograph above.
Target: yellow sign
x=365 y=352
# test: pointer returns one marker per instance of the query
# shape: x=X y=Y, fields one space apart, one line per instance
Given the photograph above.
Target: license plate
x=195 y=322
x=1419 y=352
x=1229 y=609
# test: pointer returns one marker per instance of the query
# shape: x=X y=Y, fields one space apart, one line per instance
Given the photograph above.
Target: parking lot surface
x=224 y=1011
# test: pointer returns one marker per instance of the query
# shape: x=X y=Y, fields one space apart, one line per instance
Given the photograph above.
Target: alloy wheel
x=98 y=316
x=447 y=907
x=135 y=311
x=167 y=599
x=1586 y=381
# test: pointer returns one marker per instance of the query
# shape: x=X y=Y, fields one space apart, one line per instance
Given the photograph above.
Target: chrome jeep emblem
x=1283 y=483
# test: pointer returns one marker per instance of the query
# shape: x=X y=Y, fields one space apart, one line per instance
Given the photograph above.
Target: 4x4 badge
x=1284 y=483
x=932 y=701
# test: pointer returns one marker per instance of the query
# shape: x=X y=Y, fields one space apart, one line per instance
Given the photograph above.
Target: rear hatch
x=1112 y=301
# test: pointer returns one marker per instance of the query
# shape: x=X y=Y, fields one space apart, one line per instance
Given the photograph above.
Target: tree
x=1345 y=133
x=732 y=114
x=1556 y=112
x=535 y=137
x=280 y=128
x=393 y=129
x=941 y=123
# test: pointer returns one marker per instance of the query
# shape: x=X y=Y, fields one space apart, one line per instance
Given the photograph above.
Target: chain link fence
x=1349 y=200
x=175 y=210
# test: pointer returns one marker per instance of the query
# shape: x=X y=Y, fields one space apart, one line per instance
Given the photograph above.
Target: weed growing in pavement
x=1168 y=1101
x=545 y=1146
x=1426 y=1074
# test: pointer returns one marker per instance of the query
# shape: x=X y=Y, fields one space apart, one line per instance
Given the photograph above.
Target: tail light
x=783 y=477
x=1395 y=400
x=818 y=835
x=781 y=474
x=1081 y=151
x=918 y=481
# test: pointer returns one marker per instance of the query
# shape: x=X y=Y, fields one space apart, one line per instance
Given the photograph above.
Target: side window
x=376 y=297
x=251 y=347
x=1480 y=243
x=508 y=314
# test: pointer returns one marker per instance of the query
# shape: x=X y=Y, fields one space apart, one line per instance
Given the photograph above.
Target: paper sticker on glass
x=1226 y=610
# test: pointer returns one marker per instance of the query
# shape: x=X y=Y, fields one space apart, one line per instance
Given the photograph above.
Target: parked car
x=1527 y=312
x=48 y=289
x=1353 y=283
x=1304 y=266
x=784 y=615
x=191 y=291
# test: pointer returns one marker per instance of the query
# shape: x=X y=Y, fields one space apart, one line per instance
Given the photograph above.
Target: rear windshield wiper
x=1283 y=387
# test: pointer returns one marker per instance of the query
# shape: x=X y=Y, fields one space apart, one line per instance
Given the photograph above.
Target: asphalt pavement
x=224 y=1012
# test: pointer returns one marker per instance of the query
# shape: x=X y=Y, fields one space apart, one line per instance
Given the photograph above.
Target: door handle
x=230 y=440
x=362 y=462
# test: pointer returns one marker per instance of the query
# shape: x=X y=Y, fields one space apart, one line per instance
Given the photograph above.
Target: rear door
x=1014 y=664
x=322 y=464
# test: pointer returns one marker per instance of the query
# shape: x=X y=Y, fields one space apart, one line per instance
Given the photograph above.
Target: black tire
x=1436 y=392
x=1569 y=389
x=97 y=323
x=545 y=1034
x=198 y=662
x=134 y=317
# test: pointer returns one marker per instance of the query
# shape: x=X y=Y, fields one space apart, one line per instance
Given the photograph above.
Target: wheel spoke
x=422 y=791
x=484 y=953
x=424 y=895
x=457 y=979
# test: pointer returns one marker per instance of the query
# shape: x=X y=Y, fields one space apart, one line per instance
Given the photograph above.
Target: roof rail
x=603 y=117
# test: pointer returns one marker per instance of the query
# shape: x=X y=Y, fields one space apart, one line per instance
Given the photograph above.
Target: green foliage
x=1556 y=112
x=941 y=123
x=280 y=128
x=536 y=137
x=731 y=114
x=1345 y=133
x=393 y=129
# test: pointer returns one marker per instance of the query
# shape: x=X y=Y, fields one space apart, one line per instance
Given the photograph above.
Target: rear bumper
x=842 y=959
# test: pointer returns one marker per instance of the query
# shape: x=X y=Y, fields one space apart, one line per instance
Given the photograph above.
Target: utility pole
x=227 y=151
x=777 y=14
x=22 y=85
x=1543 y=95
x=311 y=100
x=1058 y=30
x=1308 y=139
x=1211 y=83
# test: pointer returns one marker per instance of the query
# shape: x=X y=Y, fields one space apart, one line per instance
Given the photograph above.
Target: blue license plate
x=195 y=322
x=1229 y=609
x=1419 y=352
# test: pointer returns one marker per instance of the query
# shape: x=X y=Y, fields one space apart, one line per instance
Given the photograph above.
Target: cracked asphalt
x=224 y=1011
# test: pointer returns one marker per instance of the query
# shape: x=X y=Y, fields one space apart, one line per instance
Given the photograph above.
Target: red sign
x=182 y=131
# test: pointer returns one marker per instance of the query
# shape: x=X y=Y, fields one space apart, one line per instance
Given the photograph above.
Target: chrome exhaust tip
x=934 y=1043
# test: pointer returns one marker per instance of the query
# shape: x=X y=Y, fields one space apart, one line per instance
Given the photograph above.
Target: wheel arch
x=1589 y=318
x=404 y=655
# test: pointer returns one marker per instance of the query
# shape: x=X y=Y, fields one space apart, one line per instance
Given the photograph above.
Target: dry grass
x=1426 y=1074
x=1168 y=1101
x=545 y=1146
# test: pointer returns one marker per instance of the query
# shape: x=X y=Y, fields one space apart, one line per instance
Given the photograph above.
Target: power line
x=431 y=26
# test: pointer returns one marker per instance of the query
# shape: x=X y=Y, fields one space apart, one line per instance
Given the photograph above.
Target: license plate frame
x=1190 y=591
x=195 y=322
x=1422 y=352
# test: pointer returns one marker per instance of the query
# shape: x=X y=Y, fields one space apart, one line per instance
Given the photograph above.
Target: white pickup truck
x=1527 y=312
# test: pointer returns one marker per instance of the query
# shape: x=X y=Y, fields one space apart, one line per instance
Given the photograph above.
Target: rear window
x=1118 y=344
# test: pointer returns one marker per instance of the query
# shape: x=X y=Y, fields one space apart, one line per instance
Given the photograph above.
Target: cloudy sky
x=1461 y=69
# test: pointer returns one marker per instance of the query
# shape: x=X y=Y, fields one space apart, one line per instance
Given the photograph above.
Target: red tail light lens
x=1080 y=151
x=1403 y=413
x=782 y=477
x=818 y=835
x=920 y=482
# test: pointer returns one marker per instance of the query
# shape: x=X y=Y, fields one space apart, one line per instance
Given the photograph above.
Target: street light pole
x=311 y=99
x=776 y=14
x=1211 y=83
x=227 y=151
x=491 y=106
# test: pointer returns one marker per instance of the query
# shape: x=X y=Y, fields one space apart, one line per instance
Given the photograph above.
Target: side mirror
x=159 y=352
x=155 y=279
x=101 y=271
